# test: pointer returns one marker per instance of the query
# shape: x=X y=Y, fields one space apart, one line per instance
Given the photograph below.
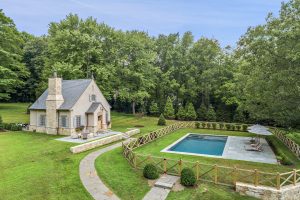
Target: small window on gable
x=42 y=120
x=93 y=97
x=63 y=121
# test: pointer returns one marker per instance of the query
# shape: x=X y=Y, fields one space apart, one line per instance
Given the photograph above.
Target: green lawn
x=156 y=146
x=121 y=121
x=14 y=112
x=131 y=185
x=35 y=166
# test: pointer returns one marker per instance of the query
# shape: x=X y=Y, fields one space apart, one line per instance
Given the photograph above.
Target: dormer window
x=93 y=97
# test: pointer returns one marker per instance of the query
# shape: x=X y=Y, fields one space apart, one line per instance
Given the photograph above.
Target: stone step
x=166 y=181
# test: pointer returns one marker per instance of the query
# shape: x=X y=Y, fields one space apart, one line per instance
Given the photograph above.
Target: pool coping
x=165 y=150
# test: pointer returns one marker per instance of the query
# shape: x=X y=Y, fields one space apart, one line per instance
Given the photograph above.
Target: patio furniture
x=257 y=148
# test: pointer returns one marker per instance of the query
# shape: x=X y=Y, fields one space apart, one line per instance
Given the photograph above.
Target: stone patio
x=79 y=140
x=235 y=149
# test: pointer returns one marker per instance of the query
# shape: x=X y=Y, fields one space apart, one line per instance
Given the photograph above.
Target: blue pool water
x=201 y=144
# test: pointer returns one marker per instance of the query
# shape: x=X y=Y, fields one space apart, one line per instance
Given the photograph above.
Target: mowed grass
x=14 y=112
x=156 y=146
x=35 y=166
x=121 y=122
x=117 y=174
x=295 y=136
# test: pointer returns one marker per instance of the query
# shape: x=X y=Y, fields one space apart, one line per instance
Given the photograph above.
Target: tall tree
x=12 y=70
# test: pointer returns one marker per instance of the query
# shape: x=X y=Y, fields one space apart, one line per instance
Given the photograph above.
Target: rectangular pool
x=199 y=144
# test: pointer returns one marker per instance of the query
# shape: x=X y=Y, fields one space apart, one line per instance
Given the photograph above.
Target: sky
x=224 y=20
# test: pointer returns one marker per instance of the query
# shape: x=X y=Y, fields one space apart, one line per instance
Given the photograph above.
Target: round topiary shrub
x=188 y=177
x=197 y=124
x=150 y=172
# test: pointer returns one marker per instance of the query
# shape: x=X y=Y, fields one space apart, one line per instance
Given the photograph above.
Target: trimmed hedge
x=150 y=171
x=188 y=177
x=280 y=154
x=12 y=126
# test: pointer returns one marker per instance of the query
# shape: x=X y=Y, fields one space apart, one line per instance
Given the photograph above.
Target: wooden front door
x=99 y=122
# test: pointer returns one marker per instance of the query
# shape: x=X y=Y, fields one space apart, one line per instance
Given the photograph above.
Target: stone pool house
x=68 y=106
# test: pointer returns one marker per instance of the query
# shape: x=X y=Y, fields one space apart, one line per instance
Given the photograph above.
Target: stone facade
x=47 y=114
x=290 y=192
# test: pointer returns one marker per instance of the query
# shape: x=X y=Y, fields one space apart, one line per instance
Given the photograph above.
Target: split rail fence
x=204 y=172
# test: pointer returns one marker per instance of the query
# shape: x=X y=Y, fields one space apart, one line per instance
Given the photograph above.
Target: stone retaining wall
x=96 y=143
x=132 y=132
x=290 y=192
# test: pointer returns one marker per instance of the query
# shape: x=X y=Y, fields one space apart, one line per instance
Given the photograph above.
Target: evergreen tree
x=161 y=120
x=154 y=109
x=181 y=113
x=202 y=112
x=169 y=110
x=211 y=114
x=190 y=112
x=239 y=116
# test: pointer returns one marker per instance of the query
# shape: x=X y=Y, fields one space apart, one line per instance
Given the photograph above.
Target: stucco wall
x=290 y=192
x=34 y=121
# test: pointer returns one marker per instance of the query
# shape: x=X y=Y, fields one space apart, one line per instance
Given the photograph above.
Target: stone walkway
x=161 y=188
x=91 y=180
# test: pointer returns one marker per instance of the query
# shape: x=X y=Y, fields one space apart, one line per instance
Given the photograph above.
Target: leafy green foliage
x=188 y=177
x=1 y=123
x=202 y=112
x=190 y=112
x=211 y=114
x=154 y=110
x=169 y=110
x=150 y=171
x=181 y=114
x=161 y=120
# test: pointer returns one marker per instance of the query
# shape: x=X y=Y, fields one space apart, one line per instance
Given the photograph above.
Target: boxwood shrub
x=188 y=177
x=227 y=126
x=197 y=124
x=150 y=171
x=214 y=125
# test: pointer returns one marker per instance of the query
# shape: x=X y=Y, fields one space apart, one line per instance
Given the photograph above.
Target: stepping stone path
x=161 y=188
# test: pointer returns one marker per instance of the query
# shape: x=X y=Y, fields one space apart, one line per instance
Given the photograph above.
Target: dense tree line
x=183 y=78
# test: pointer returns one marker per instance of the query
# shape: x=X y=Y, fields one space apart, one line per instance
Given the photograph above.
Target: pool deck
x=235 y=149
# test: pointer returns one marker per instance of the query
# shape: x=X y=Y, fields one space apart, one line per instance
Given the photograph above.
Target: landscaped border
x=210 y=173
x=291 y=145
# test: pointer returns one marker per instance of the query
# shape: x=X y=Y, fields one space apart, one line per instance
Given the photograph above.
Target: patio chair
x=255 y=144
x=251 y=148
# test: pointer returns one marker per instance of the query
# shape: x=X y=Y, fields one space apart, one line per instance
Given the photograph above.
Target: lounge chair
x=257 y=148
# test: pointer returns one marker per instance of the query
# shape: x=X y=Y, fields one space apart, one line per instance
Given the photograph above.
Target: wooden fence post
x=235 y=175
x=295 y=176
x=134 y=161
x=216 y=173
x=165 y=165
x=197 y=170
x=179 y=167
x=278 y=181
x=255 y=177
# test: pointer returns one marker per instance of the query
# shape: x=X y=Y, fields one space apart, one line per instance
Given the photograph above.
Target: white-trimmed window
x=93 y=97
x=77 y=121
x=42 y=121
x=63 y=121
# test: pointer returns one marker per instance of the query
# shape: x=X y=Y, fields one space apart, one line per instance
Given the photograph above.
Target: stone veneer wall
x=96 y=143
x=290 y=192
x=132 y=132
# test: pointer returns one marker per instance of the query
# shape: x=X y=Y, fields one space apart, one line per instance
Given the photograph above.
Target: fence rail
x=217 y=174
x=293 y=146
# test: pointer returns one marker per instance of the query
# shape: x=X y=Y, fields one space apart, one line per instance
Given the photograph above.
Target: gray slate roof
x=93 y=107
x=71 y=91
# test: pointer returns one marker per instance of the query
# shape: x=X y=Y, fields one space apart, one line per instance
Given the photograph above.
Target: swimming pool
x=199 y=144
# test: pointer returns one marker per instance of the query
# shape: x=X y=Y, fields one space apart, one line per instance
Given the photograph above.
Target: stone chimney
x=53 y=102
